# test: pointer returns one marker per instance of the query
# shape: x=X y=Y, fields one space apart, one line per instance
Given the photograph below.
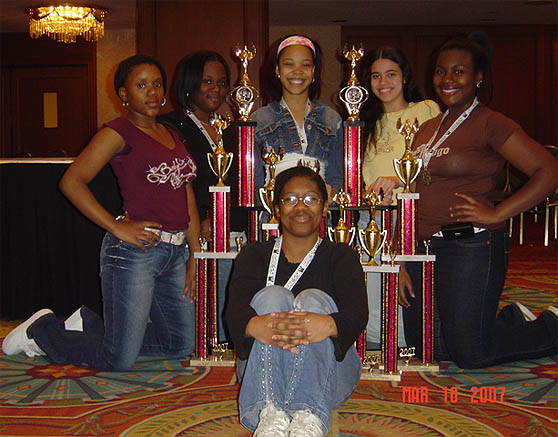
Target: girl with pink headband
x=294 y=119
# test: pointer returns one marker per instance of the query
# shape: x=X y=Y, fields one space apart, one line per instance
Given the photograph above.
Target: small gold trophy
x=406 y=353
x=244 y=94
x=341 y=232
x=314 y=167
x=372 y=360
x=373 y=239
x=408 y=167
x=220 y=161
x=353 y=95
x=266 y=193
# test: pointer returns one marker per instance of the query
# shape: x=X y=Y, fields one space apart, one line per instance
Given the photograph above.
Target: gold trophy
x=244 y=94
x=406 y=353
x=341 y=233
x=373 y=239
x=266 y=193
x=238 y=241
x=408 y=167
x=353 y=95
x=314 y=167
x=220 y=161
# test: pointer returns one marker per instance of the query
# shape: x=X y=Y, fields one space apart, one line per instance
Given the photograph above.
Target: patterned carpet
x=161 y=397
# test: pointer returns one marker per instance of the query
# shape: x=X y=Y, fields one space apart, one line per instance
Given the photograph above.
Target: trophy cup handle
x=352 y=233
x=384 y=236
x=230 y=160
x=330 y=234
x=396 y=163
x=210 y=163
x=261 y=192
x=419 y=168
x=361 y=240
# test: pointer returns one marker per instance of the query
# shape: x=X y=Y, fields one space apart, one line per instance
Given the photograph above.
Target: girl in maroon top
x=147 y=273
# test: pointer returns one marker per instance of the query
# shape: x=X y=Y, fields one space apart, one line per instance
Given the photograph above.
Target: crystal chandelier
x=64 y=23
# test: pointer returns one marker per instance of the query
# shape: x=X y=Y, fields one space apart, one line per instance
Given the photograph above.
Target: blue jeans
x=469 y=276
x=311 y=379
x=144 y=311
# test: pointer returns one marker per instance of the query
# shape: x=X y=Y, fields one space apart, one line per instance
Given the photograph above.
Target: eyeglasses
x=309 y=200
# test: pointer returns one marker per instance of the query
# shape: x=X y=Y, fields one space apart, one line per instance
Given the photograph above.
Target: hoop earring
x=164 y=102
x=479 y=84
x=124 y=103
x=278 y=76
x=313 y=79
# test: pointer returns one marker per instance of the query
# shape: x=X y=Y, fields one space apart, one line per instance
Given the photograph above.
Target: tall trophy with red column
x=353 y=96
x=407 y=169
x=206 y=304
x=244 y=95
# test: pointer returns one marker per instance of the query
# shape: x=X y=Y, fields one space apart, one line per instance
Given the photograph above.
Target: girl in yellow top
x=393 y=94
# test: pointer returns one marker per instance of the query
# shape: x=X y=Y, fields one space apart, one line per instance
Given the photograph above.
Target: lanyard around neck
x=274 y=262
x=202 y=128
x=429 y=149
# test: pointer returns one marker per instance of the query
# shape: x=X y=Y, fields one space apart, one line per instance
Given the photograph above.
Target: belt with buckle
x=174 y=238
x=475 y=229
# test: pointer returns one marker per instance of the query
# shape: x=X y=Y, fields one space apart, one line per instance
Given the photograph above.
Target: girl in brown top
x=463 y=150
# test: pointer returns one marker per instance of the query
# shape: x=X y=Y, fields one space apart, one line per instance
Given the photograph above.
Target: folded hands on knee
x=291 y=329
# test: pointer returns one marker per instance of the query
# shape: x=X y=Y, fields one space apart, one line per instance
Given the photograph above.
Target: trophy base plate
x=222 y=360
x=378 y=375
x=416 y=365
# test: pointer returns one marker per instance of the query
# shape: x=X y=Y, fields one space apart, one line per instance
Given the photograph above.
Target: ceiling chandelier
x=65 y=23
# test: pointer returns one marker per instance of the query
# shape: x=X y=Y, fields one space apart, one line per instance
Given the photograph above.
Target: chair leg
x=546 y=212
x=521 y=217
x=555 y=222
x=511 y=227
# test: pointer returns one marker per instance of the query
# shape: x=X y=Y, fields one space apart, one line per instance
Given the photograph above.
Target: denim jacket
x=324 y=132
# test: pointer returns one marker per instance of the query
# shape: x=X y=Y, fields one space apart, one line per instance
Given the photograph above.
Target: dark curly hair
x=127 y=65
x=372 y=109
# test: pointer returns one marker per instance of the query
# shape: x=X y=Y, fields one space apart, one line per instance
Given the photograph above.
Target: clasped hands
x=288 y=330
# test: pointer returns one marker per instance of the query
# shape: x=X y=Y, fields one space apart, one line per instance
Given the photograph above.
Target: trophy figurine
x=373 y=239
x=341 y=232
x=314 y=167
x=408 y=167
x=244 y=94
x=266 y=193
x=220 y=161
x=353 y=95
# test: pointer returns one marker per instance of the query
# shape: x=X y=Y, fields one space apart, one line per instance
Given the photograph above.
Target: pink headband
x=296 y=40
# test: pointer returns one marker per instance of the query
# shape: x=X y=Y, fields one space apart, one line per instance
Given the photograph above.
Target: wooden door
x=51 y=110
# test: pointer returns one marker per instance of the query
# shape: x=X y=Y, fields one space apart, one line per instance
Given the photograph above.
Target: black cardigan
x=335 y=269
x=198 y=146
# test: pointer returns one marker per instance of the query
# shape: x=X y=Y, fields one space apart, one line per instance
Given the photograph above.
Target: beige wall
x=113 y=48
x=329 y=38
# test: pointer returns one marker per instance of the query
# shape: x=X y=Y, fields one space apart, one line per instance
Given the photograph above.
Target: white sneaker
x=273 y=423
x=305 y=424
x=17 y=340
x=74 y=322
x=527 y=313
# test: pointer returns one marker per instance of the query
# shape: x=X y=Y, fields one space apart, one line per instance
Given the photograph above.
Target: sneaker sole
x=10 y=345
x=527 y=313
